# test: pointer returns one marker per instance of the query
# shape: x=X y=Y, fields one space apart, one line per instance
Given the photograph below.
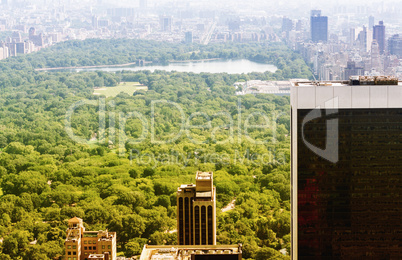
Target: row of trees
x=94 y=52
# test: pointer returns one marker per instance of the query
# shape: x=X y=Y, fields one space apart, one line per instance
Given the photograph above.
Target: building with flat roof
x=379 y=36
x=318 y=26
x=84 y=245
x=196 y=226
x=165 y=23
x=192 y=252
x=346 y=169
x=188 y=37
x=395 y=45
x=279 y=88
x=196 y=211
x=352 y=70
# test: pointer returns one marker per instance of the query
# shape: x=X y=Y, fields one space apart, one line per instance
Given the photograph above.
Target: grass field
x=126 y=87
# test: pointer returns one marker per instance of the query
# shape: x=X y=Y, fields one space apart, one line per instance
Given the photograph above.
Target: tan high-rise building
x=196 y=211
x=196 y=226
x=83 y=245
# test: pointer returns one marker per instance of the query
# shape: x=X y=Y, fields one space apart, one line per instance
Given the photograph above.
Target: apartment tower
x=379 y=36
x=196 y=211
x=318 y=26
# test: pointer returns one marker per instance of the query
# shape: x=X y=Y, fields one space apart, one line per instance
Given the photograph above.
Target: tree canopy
x=131 y=152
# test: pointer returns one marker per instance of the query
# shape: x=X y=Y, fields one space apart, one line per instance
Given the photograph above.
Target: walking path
x=230 y=206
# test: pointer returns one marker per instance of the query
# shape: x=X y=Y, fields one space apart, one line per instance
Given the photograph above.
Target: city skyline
x=345 y=31
x=108 y=110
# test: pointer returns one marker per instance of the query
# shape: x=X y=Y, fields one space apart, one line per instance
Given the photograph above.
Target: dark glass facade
x=319 y=28
x=203 y=226
x=210 y=225
x=181 y=220
x=379 y=35
x=351 y=209
x=197 y=225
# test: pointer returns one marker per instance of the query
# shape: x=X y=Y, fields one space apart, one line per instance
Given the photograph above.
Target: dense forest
x=122 y=51
x=133 y=151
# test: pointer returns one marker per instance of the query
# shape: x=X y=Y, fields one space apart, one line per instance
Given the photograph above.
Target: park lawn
x=126 y=87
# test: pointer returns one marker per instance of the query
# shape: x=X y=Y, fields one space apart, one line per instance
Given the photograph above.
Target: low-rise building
x=192 y=252
x=84 y=245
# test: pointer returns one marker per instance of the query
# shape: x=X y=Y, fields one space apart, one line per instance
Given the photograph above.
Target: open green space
x=125 y=87
x=125 y=178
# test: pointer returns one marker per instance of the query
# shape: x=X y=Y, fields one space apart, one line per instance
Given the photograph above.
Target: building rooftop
x=187 y=186
x=75 y=220
x=358 y=92
x=263 y=87
x=73 y=234
x=353 y=81
x=204 y=175
x=185 y=252
x=90 y=233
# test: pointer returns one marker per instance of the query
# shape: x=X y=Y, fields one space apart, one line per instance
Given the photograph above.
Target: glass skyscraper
x=318 y=26
x=347 y=169
x=379 y=35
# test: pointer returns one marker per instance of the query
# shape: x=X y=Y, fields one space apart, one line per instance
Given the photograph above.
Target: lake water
x=215 y=66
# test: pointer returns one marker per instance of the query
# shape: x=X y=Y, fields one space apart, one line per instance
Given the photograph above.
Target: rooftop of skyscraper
x=353 y=81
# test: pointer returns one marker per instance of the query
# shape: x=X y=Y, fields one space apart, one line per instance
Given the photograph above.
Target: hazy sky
x=291 y=8
x=213 y=2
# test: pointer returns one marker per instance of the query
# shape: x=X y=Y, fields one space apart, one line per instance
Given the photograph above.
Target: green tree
x=268 y=253
x=128 y=226
x=15 y=244
x=134 y=246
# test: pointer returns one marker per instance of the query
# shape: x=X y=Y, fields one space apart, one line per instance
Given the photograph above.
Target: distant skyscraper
x=188 y=37
x=315 y=13
x=346 y=169
x=352 y=36
x=234 y=25
x=166 y=23
x=352 y=70
x=287 y=24
x=16 y=36
x=20 y=47
x=395 y=45
x=379 y=35
x=299 y=25
x=196 y=211
x=371 y=22
x=375 y=57
x=319 y=26
x=363 y=39
x=36 y=39
x=95 y=22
